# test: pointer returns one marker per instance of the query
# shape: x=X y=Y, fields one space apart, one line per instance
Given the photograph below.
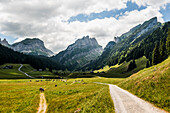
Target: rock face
x=32 y=46
x=146 y=28
x=4 y=43
x=79 y=53
x=109 y=45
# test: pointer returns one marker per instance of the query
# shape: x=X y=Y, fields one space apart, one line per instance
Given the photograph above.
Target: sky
x=60 y=23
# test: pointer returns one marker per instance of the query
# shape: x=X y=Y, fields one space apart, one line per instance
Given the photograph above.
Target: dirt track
x=43 y=105
x=126 y=102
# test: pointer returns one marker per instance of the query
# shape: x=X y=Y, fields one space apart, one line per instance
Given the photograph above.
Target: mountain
x=136 y=32
x=109 y=45
x=130 y=32
x=4 y=43
x=79 y=53
x=124 y=44
x=32 y=47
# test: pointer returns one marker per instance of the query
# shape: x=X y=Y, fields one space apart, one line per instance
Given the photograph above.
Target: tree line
x=7 y=55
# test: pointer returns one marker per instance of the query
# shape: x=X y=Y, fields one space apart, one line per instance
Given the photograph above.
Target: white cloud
x=47 y=20
x=153 y=3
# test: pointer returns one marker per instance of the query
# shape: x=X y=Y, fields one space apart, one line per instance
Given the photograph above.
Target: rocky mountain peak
x=33 y=46
x=137 y=31
x=79 y=53
x=110 y=45
x=4 y=42
x=86 y=41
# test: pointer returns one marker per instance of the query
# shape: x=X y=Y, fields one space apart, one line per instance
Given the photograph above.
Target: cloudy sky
x=60 y=22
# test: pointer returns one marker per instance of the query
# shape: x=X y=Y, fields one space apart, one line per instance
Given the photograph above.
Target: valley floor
x=84 y=95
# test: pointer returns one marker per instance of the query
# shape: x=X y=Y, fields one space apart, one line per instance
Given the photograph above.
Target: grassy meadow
x=120 y=71
x=19 y=96
x=37 y=74
x=15 y=74
x=22 y=96
x=151 y=84
x=11 y=73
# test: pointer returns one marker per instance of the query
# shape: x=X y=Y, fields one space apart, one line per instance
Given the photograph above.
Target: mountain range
x=86 y=54
x=113 y=54
x=29 y=46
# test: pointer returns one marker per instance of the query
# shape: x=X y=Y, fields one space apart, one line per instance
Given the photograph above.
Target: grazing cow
x=41 y=89
x=55 y=85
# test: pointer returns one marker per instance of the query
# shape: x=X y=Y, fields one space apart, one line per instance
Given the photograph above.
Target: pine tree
x=155 y=55
x=162 y=51
x=50 y=69
x=147 y=64
x=168 y=42
x=132 y=65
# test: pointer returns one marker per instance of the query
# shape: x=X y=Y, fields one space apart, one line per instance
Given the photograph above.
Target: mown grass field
x=22 y=96
x=151 y=84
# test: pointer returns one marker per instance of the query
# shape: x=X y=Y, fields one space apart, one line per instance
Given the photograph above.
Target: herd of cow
x=63 y=80
x=42 y=89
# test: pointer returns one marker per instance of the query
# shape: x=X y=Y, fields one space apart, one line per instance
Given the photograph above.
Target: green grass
x=101 y=79
x=80 y=75
x=152 y=84
x=15 y=74
x=22 y=96
x=11 y=73
x=37 y=74
x=88 y=97
x=120 y=71
x=19 y=97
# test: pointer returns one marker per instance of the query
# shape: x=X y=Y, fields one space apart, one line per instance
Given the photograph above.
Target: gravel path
x=42 y=106
x=126 y=102
x=19 y=69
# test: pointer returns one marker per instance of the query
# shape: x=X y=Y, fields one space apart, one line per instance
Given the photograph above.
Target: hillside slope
x=152 y=84
x=120 y=71
x=120 y=51
x=15 y=74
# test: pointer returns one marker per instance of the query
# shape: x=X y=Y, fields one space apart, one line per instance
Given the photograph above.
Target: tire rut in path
x=42 y=105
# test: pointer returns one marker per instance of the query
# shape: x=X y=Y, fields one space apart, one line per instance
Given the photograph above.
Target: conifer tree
x=155 y=55
x=132 y=65
x=147 y=64
x=162 y=51
x=168 y=42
